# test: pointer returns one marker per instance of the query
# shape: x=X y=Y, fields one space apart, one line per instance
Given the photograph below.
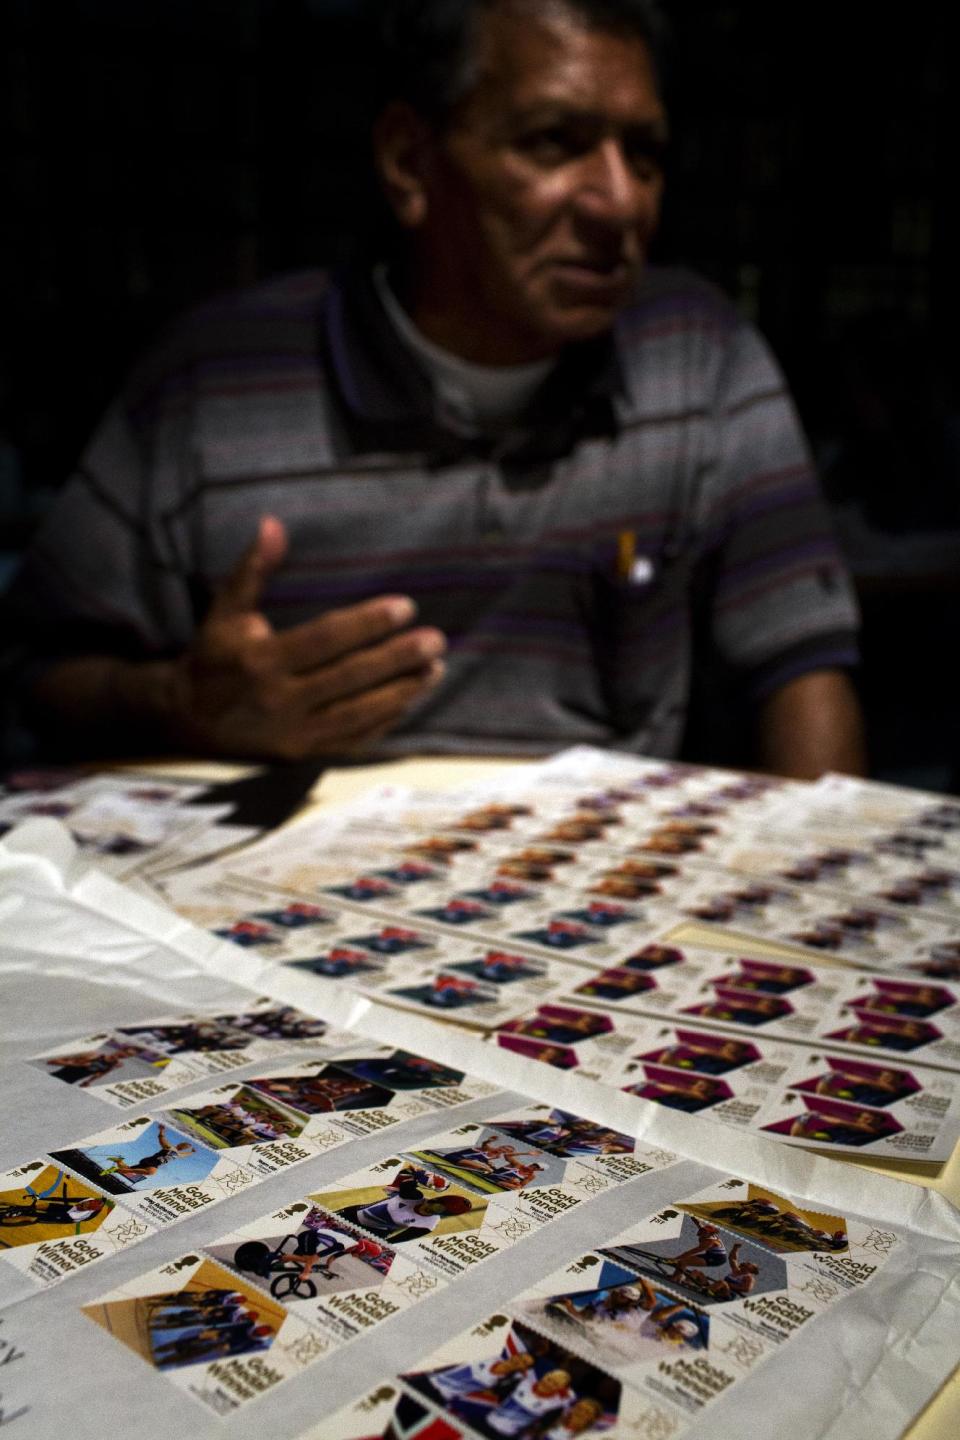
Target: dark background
x=158 y=151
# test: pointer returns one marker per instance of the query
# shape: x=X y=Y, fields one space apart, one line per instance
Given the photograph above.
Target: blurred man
x=477 y=497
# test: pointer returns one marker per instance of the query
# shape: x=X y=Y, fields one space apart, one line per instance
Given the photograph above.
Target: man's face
x=543 y=193
x=553 y=1382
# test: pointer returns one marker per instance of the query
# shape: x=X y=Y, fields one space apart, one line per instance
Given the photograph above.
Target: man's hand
x=811 y=725
x=327 y=687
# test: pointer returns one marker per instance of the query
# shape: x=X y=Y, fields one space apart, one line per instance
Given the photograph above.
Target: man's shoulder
x=673 y=301
x=295 y=297
x=676 y=341
x=250 y=333
x=276 y=314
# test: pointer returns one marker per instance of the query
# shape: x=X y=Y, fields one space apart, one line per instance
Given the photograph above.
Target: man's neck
x=478 y=396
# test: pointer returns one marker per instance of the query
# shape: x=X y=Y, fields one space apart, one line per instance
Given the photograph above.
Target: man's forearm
x=811 y=725
x=105 y=703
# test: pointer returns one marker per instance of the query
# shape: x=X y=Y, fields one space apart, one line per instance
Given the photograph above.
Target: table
x=941 y=1419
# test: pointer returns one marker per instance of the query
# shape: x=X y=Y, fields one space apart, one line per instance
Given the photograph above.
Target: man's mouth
x=594 y=276
x=603 y=266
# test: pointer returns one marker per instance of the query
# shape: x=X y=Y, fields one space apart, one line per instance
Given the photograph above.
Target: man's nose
x=615 y=191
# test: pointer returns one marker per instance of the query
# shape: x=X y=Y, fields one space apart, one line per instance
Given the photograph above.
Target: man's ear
x=402 y=152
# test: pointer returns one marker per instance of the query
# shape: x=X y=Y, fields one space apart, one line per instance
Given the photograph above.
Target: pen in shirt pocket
x=631 y=568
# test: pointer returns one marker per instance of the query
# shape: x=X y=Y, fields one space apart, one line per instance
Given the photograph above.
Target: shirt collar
x=389 y=394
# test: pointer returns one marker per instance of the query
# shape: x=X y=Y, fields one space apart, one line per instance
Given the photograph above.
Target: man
x=148 y=1165
x=406 y=1213
x=560 y=463
x=709 y=1250
x=535 y=1397
x=482 y=1383
x=737 y=1283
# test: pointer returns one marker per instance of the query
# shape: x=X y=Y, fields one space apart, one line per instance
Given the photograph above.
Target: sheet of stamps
x=686 y=1303
x=135 y=1064
x=217 y=1143
x=849 y=864
x=577 y=843
x=176 y=1162
x=407 y=964
x=869 y=804
x=466 y=1194
x=790 y=999
x=871 y=935
x=446 y=1226
x=53 y=1225
x=505 y=1378
x=212 y=1333
x=323 y=939
x=598 y=1147
x=155 y=1170
x=641 y=1334
x=571 y=1038
x=879 y=1012
x=540 y=821
x=481 y=985
x=231 y=1321
x=339 y=1280
x=803 y=1093
x=125 y=822
x=581 y=780
x=490 y=863
x=411 y=965
x=798 y=1093
x=359 y=1091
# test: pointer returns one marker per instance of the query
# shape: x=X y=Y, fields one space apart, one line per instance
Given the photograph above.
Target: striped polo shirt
x=673 y=439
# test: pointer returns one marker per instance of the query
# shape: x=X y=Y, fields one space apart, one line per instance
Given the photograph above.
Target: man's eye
x=549 y=147
x=645 y=168
x=647 y=160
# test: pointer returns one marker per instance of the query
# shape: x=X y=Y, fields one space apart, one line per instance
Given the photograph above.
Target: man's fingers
x=323 y=688
x=306 y=647
x=364 y=717
x=240 y=592
x=408 y=654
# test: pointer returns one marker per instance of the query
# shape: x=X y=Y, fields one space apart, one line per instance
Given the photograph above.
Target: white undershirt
x=476 y=397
